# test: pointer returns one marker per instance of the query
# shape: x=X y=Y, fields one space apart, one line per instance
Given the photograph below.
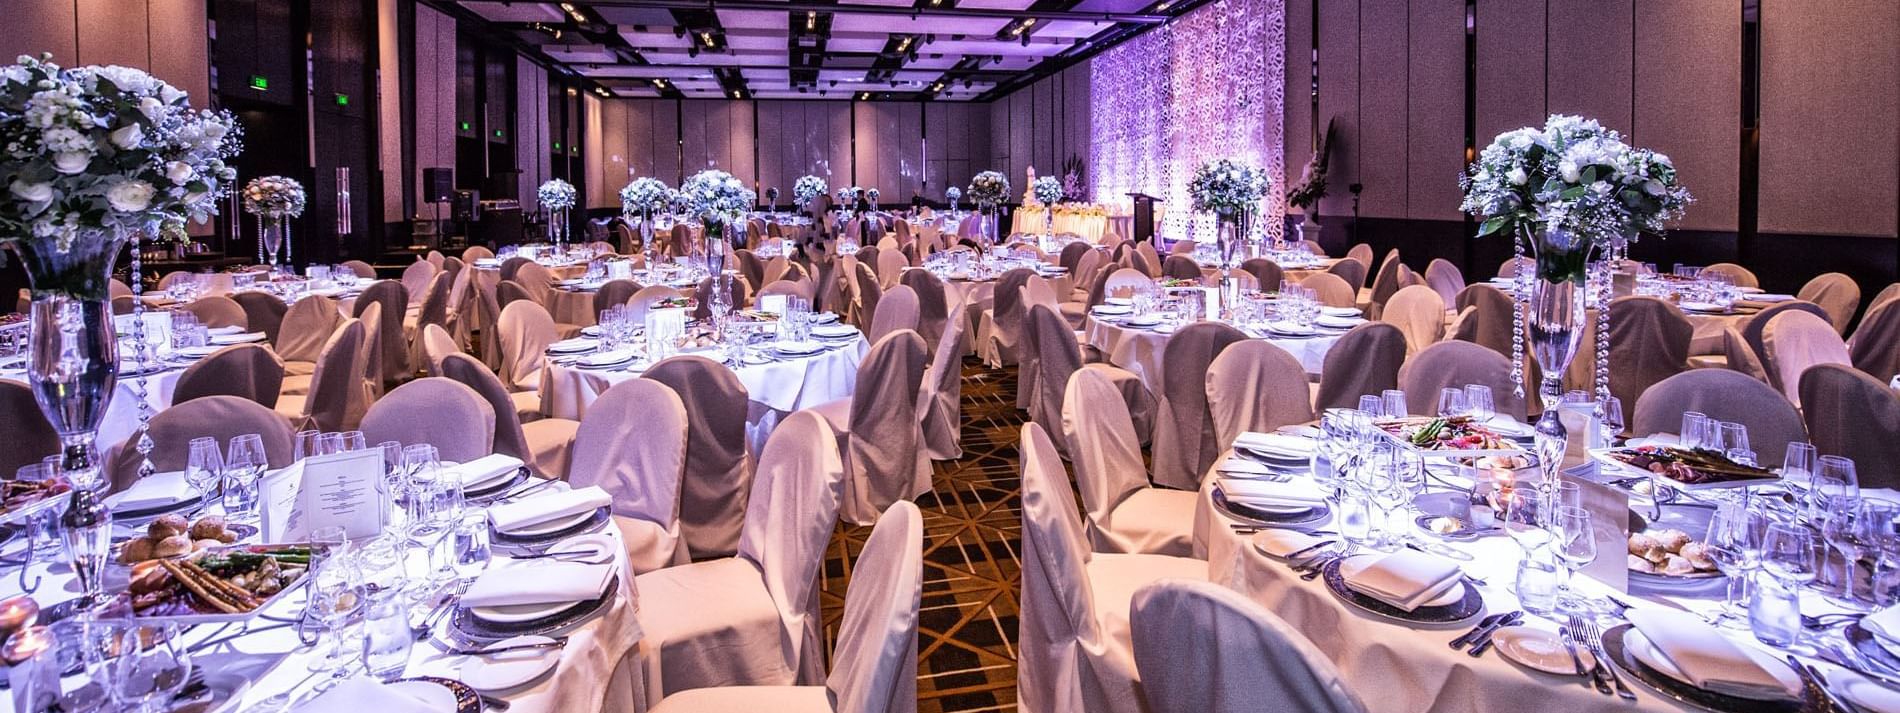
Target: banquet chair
x=337 y=395
x=788 y=288
x=1264 y=270
x=1313 y=246
x=1753 y=328
x=1419 y=314
x=219 y=417
x=1057 y=357
x=933 y=305
x=369 y=367
x=511 y=267
x=1736 y=356
x=1000 y=328
x=416 y=278
x=679 y=241
x=362 y=270
x=865 y=293
x=436 y=344
x=1875 y=346
x=752 y=619
x=216 y=311
x=1722 y=395
x=433 y=312
x=1649 y=342
x=30 y=437
x=1182 y=247
x=1738 y=275
x=896 y=309
x=939 y=402
x=1514 y=265
x=387 y=344
x=479 y=328
x=775 y=269
x=614 y=293
x=1854 y=415
x=890 y=267
x=1494 y=314
x=438 y=411
x=1365 y=360
x=751 y=267
x=263 y=312
x=604 y=247
x=477 y=252
x=718 y=469
x=735 y=296
x=1149 y=259
x=1456 y=365
x=1183 y=439
x=1181 y=267
x=1361 y=252
x=1253 y=386
x=1797 y=341
x=526 y=331
x=643 y=301
x=1085 y=273
x=250 y=371
x=1331 y=290
x=1836 y=293
x=537 y=279
x=1445 y=278
x=1073 y=649
x=1204 y=648
x=1124 y=282
x=1071 y=255
x=632 y=444
x=1885 y=295
x=306 y=328
x=508 y=292
x=1123 y=513
x=542 y=443
x=1353 y=272
x=880 y=428
x=1384 y=283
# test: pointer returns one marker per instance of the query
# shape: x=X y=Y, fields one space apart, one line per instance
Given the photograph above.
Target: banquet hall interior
x=921 y=356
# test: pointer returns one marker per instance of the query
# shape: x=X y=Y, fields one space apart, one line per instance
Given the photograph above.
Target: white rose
x=130 y=196
x=1569 y=171
x=71 y=162
x=152 y=108
x=179 y=172
x=1517 y=176
x=171 y=94
x=32 y=192
x=128 y=136
x=214 y=130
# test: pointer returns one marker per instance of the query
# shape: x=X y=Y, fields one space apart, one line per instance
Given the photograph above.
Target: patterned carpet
x=972 y=528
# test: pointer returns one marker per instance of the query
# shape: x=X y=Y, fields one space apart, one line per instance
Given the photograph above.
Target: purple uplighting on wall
x=1205 y=86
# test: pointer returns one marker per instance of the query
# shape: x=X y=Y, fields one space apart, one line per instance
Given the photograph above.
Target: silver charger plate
x=1450 y=616
x=599 y=519
x=1664 y=685
x=465 y=624
x=1291 y=520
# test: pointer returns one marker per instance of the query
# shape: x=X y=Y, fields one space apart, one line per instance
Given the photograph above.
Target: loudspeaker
x=438 y=185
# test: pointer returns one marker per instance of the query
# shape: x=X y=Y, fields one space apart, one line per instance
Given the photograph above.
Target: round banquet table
x=121 y=419
x=1139 y=350
x=1397 y=669
x=776 y=388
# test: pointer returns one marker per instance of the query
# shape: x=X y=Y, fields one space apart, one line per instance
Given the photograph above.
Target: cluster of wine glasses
x=619 y=325
x=1699 y=432
x=232 y=471
x=1373 y=479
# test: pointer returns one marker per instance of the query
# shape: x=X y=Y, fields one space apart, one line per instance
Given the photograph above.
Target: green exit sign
x=260 y=82
x=342 y=100
x=498 y=133
x=464 y=126
x=557 y=145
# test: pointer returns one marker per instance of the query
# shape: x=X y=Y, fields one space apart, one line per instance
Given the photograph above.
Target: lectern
x=1144 y=217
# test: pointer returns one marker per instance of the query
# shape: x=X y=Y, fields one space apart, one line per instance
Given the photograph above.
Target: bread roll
x=167 y=526
x=173 y=546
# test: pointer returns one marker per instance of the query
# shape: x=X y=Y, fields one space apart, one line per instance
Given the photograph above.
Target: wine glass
x=1576 y=546
x=1613 y=421
x=1372 y=405
x=1857 y=527
x=354 y=440
x=1734 y=543
x=244 y=462
x=1451 y=402
x=336 y=596
x=304 y=445
x=1797 y=465
x=141 y=664
x=1834 y=477
x=204 y=467
x=1516 y=507
x=329 y=444
x=1394 y=401
x=1694 y=426
x=1734 y=438
x=1479 y=404
x=1787 y=555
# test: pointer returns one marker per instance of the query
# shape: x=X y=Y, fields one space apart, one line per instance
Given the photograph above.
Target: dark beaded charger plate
x=1682 y=692
x=1268 y=518
x=467 y=624
x=598 y=520
x=1468 y=607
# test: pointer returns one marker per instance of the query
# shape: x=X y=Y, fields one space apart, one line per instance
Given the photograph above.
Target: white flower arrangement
x=274 y=197
x=871 y=194
x=556 y=194
x=717 y=196
x=1573 y=175
x=952 y=194
x=1047 y=190
x=677 y=201
x=99 y=148
x=848 y=195
x=1227 y=186
x=808 y=189
x=989 y=189
x=643 y=195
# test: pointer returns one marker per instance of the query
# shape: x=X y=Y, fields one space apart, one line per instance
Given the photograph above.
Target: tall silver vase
x=1554 y=326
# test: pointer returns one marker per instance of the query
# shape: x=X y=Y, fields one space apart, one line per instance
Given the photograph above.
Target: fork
x=1576 y=639
x=1594 y=637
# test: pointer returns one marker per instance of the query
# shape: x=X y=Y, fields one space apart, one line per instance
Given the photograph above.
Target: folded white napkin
x=237 y=337
x=1885 y=623
x=1406 y=578
x=1280 y=543
x=1768 y=297
x=609 y=357
x=486 y=470
x=1707 y=657
x=1275 y=444
x=538 y=583
x=542 y=508
x=1301 y=492
x=225 y=330
x=369 y=694
x=573 y=345
x=1243 y=466
x=159 y=490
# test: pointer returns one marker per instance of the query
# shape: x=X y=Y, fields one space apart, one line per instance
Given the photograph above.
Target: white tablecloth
x=122 y=413
x=1028 y=219
x=1139 y=350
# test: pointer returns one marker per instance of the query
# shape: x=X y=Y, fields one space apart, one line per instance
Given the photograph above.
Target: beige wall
x=164 y=37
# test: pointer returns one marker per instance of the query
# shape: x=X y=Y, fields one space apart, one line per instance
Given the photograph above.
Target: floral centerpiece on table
x=989 y=189
x=643 y=196
x=871 y=195
x=1231 y=190
x=952 y=194
x=848 y=195
x=808 y=189
x=1047 y=190
x=274 y=197
x=557 y=196
x=721 y=202
x=771 y=196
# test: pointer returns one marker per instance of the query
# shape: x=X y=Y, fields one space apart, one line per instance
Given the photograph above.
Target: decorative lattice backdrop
x=1205 y=86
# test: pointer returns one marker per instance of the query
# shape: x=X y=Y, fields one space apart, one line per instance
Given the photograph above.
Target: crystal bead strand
x=1602 y=277
x=260 y=240
x=144 y=445
x=1520 y=290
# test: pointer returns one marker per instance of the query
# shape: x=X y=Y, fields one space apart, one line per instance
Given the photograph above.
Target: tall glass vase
x=557 y=228
x=1048 y=228
x=271 y=235
x=719 y=302
x=649 y=250
x=1230 y=235
x=987 y=228
x=1554 y=326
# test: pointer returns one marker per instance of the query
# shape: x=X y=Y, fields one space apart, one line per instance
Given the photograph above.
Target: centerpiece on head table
x=720 y=201
x=871 y=194
x=643 y=197
x=557 y=196
x=1568 y=193
x=1231 y=190
x=1048 y=192
x=988 y=190
x=952 y=194
x=808 y=189
x=771 y=198
x=95 y=158
x=274 y=200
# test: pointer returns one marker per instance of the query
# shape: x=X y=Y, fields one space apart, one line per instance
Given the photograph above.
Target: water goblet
x=304 y=445
x=1576 y=545
x=244 y=462
x=1372 y=405
x=1734 y=543
x=204 y=466
x=1694 y=429
x=1834 y=477
x=1394 y=403
x=1451 y=402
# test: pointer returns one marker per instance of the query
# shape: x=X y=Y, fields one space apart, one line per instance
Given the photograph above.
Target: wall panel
x=1383 y=109
x=1435 y=109
x=1297 y=112
x=41 y=26
x=435 y=95
x=113 y=32
x=1339 y=83
x=179 y=48
x=1510 y=67
x=1688 y=84
x=389 y=115
x=773 y=151
x=1590 y=67
x=1830 y=92
x=910 y=133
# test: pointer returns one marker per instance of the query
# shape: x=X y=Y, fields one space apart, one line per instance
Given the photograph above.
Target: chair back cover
x=1445 y=279
x=249 y=371
x=1071 y=255
x=1086 y=269
x=1797 y=341
x=1106 y=453
x=537 y=279
x=508 y=437
x=338 y=397
x=511 y=267
x=1184 y=442
x=642 y=302
x=263 y=312
x=885 y=452
x=1753 y=327
x=942 y=393
x=789 y=288
x=416 y=277
x=1147 y=259
x=1885 y=295
x=1740 y=357
x=776 y=268
x=1457 y=364
x=613 y=293
x=1204 y=648
x=1649 y=342
x=1512 y=266
x=1124 y=282
x=1419 y=314
x=1857 y=416
x=890 y=267
x=1057 y=356
x=1836 y=293
x=434 y=311
x=436 y=344
x=440 y=412
x=1353 y=271
x=526 y=331
x=789 y=517
x=896 y=309
x=933 y=304
x=477 y=252
x=751 y=267
x=388 y=339
x=718 y=471
x=220 y=417
x=632 y=444
x=508 y=292
x=30 y=437
x=866 y=290
x=1265 y=271
x=1386 y=282
x=1182 y=247
x=218 y=311
x=1330 y=289
x=1361 y=252
x=1875 y=348
x=1493 y=315
x=1253 y=386
x=874 y=669
x=1365 y=360
x=1741 y=276
x=1181 y=267
x=1722 y=395
x=735 y=296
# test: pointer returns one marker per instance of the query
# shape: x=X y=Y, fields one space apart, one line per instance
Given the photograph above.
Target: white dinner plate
x=1701 y=307
x=798 y=348
x=1165 y=329
x=1288 y=329
x=1540 y=650
x=1108 y=310
x=1646 y=652
x=834 y=331
x=1146 y=320
x=592 y=330
x=593 y=548
x=573 y=346
x=612 y=358
x=1339 y=311
x=1119 y=301
x=551 y=526
x=1327 y=320
x=1352 y=566
x=239 y=338
x=824 y=318
x=508 y=670
x=194 y=352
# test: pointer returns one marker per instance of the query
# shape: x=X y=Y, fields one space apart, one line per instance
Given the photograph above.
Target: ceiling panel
x=517 y=11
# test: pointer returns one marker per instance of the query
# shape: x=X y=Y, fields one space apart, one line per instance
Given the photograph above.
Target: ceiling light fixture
x=811 y=20
x=707 y=36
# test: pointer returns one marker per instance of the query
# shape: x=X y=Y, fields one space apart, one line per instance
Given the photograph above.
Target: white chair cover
x=1836 y=293
x=1003 y=322
x=1445 y=279
x=718 y=469
x=220 y=417
x=1124 y=282
x=933 y=305
x=416 y=277
x=543 y=443
x=641 y=302
x=537 y=279
x=942 y=393
x=1419 y=314
x=1649 y=342
x=1723 y=395
x=890 y=267
x=218 y=311
x=1205 y=648
x=1184 y=442
x=1124 y=514
x=883 y=451
x=436 y=344
x=1875 y=347
x=526 y=331
x=632 y=444
x=1253 y=386
x=391 y=350
x=1057 y=357
x=337 y=397
x=437 y=411
x=1857 y=416
x=1797 y=341
x=874 y=669
x=1492 y=310
x=1365 y=360
x=897 y=310
x=1330 y=289
x=1458 y=364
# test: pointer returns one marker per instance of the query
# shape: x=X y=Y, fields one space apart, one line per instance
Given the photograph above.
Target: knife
x=1570 y=645
x=1472 y=635
x=1484 y=638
